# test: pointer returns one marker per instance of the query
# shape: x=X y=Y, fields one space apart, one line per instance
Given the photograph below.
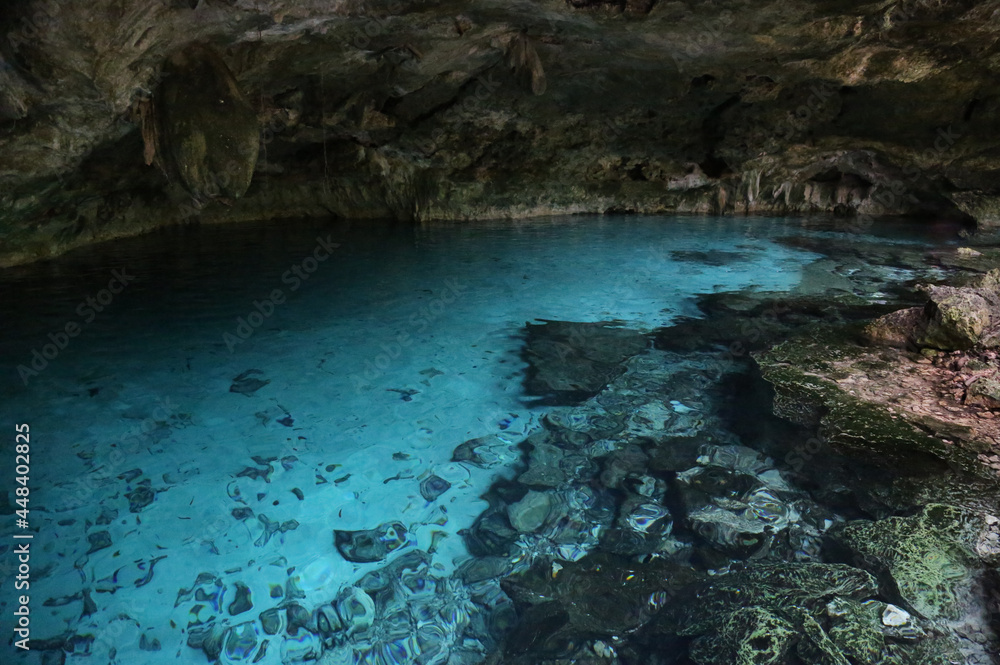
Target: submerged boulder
x=932 y=561
x=746 y=636
x=601 y=596
x=371 y=545
x=758 y=614
x=823 y=613
x=208 y=128
x=569 y=362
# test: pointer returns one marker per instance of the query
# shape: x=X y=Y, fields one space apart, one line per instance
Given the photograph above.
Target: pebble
x=242 y=602
x=895 y=616
x=433 y=486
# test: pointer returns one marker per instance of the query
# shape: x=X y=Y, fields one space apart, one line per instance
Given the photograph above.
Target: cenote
x=545 y=441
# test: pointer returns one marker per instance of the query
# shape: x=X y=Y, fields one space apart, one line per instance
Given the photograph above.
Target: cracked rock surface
x=451 y=111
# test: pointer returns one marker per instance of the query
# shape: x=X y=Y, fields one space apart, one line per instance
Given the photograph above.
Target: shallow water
x=251 y=390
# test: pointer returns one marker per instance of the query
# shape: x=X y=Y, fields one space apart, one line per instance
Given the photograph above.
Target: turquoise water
x=232 y=397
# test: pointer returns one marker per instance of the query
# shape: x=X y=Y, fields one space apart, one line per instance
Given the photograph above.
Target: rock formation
x=382 y=109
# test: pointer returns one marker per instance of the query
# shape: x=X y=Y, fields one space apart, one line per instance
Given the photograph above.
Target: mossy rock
x=748 y=636
x=773 y=586
x=856 y=631
x=957 y=318
x=759 y=614
x=208 y=128
x=818 y=648
x=898 y=329
x=985 y=391
x=927 y=560
x=817 y=613
x=930 y=651
x=804 y=376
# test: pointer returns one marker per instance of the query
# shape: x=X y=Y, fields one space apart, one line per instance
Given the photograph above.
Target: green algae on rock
x=931 y=560
x=746 y=636
x=209 y=129
x=872 y=400
x=955 y=318
x=824 y=613
x=856 y=630
x=758 y=614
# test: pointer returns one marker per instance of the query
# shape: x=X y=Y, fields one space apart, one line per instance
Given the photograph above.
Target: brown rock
x=985 y=391
x=897 y=329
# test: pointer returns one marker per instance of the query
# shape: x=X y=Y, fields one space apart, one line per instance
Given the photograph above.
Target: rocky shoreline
x=711 y=553
x=927 y=383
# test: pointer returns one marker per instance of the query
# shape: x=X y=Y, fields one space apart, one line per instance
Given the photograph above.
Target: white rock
x=895 y=616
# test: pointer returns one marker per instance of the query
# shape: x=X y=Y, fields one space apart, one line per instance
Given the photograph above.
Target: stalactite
x=523 y=59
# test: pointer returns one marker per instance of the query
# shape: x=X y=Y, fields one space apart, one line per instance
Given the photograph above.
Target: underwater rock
x=140 y=497
x=599 y=596
x=622 y=463
x=491 y=534
x=296 y=617
x=760 y=612
x=149 y=644
x=646 y=517
x=370 y=545
x=302 y=647
x=570 y=362
x=433 y=486
x=98 y=540
x=530 y=513
x=356 y=610
x=733 y=511
x=242 y=602
x=273 y=621
x=856 y=630
x=247 y=384
x=239 y=643
x=208 y=128
x=199 y=635
x=735 y=458
x=327 y=621
x=747 y=636
x=478 y=452
x=107 y=516
x=478 y=569
x=930 y=560
x=215 y=641
x=271 y=528
x=550 y=466
x=641 y=527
